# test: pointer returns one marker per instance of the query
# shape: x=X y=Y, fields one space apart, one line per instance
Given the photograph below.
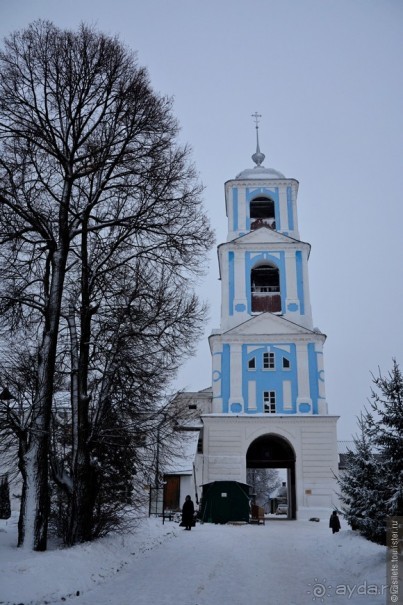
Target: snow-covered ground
x=279 y=563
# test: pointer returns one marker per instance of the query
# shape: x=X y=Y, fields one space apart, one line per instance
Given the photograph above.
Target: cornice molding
x=272 y=419
x=261 y=183
x=264 y=246
x=252 y=338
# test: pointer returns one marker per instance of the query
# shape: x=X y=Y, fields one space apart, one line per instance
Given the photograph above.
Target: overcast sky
x=327 y=77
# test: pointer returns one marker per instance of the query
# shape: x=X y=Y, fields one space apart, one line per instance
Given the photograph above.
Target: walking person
x=188 y=510
x=334 y=522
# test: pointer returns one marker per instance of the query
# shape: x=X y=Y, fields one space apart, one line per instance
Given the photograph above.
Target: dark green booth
x=224 y=501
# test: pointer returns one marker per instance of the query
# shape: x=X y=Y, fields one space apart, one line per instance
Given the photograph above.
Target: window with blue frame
x=269 y=362
x=252 y=363
x=266 y=359
x=269 y=402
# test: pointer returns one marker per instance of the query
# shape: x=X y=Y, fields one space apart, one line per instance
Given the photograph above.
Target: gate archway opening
x=274 y=452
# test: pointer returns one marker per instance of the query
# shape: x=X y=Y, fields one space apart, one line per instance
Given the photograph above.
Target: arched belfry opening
x=274 y=452
x=265 y=285
x=262 y=213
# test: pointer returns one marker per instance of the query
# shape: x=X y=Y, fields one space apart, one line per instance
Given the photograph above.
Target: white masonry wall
x=313 y=438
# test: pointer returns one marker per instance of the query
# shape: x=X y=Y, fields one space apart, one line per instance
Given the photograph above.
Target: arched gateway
x=273 y=451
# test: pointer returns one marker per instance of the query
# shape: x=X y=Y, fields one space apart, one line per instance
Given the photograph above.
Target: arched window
x=262 y=213
x=265 y=286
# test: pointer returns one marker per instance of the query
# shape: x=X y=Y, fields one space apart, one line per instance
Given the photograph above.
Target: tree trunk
x=34 y=513
x=35 y=509
x=81 y=520
x=83 y=496
x=36 y=497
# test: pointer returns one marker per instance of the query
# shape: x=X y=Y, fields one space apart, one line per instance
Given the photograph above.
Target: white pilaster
x=303 y=375
x=236 y=375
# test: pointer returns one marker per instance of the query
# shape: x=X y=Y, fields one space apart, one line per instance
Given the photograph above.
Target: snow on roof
x=260 y=172
x=182 y=462
x=279 y=492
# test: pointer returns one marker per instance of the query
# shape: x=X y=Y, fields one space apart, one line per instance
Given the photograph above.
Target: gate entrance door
x=273 y=451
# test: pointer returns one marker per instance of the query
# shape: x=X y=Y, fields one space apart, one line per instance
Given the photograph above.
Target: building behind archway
x=267 y=403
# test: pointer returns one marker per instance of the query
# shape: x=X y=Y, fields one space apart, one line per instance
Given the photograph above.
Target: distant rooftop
x=344 y=447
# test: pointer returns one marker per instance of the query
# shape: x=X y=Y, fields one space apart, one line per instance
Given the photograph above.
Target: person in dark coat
x=334 y=522
x=188 y=510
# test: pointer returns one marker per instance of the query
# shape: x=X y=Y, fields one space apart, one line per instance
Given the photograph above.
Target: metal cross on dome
x=258 y=156
x=256 y=117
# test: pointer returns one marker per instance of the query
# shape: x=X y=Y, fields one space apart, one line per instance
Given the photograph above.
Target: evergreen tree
x=362 y=486
x=385 y=428
x=5 y=507
x=372 y=485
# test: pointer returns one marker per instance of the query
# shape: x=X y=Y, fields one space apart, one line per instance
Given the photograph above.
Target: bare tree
x=264 y=482
x=90 y=173
x=137 y=338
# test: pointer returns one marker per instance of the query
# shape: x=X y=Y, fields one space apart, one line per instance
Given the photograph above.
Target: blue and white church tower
x=267 y=407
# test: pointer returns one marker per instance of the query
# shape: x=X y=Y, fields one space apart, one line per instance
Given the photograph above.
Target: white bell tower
x=267 y=357
x=268 y=406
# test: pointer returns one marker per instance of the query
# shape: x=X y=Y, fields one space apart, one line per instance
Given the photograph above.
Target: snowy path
x=281 y=563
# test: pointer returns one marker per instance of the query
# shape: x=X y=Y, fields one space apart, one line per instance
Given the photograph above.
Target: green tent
x=224 y=501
